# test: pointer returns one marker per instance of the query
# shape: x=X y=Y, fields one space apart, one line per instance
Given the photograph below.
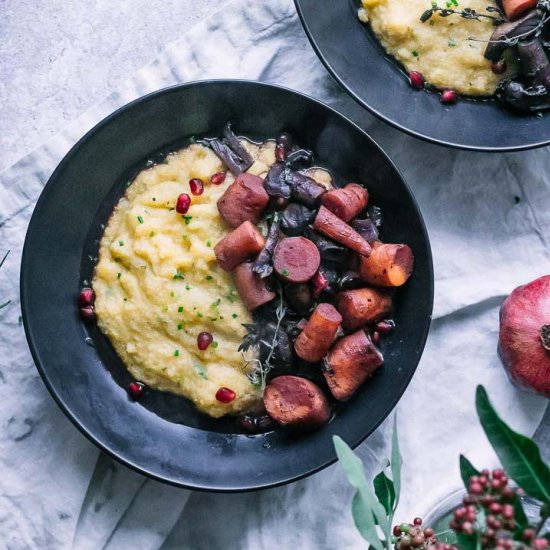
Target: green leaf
x=519 y=455
x=468 y=542
x=521 y=518
x=467 y=470
x=396 y=462
x=385 y=491
x=366 y=510
x=364 y=521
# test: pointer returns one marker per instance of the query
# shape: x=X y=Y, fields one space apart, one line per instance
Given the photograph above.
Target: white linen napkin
x=488 y=216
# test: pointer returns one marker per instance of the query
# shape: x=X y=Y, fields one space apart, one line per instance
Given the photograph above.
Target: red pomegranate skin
x=520 y=347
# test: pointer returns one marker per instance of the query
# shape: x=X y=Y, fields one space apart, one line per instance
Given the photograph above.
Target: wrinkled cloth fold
x=488 y=217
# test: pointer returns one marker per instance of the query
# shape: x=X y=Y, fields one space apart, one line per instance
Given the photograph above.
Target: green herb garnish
x=176 y=353
x=178 y=275
x=140 y=219
x=187 y=219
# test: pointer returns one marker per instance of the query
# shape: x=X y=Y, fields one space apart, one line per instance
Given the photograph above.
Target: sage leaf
x=467 y=470
x=364 y=521
x=367 y=511
x=396 y=462
x=519 y=455
x=385 y=492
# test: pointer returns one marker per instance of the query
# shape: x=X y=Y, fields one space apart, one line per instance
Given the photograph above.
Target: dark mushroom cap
x=509 y=31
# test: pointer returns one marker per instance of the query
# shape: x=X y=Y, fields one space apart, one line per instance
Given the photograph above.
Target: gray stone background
x=58 y=58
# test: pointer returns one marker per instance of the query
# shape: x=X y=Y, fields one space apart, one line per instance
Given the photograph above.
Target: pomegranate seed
x=448 y=96
x=396 y=531
x=495 y=508
x=217 y=178
x=529 y=534
x=541 y=544
x=86 y=297
x=87 y=313
x=320 y=283
x=417 y=521
x=499 y=473
x=385 y=326
x=225 y=395
x=429 y=533
x=183 y=203
x=416 y=79
x=135 y=390
x=204 y=339
x=280 y=153
x=196 y=186
x=499 y=67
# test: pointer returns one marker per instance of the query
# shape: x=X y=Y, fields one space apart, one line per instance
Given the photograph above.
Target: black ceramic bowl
x=163 y=436
x=355 y=58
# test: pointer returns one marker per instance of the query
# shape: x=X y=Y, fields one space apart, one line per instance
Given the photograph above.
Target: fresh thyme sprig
x=258 y=376
x=465 y=13
x=1 y=264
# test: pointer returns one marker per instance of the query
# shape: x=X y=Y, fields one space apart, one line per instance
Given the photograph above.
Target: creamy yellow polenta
x=158 y=285
x=440 y=48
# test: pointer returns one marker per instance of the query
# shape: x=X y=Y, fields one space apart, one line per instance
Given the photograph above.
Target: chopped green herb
x=187 y=219
x=199 y=314
x=208 y=244
x=209 y=277
x=164 y=307
x=180 y=326
x=187 y=287
x=176 y=353
x=221 y=316
x=213 y=318
x=234 y=315
x=140 y=219
x=184 y=237
x=215 y=304
x=118 y=275
x=415 y=53
x=215 y=344
x=178 y=275
x=171 y=294
x=125 y=299
x=232 y=295
x=284 y=272
x=451 y=43
x=152 y=234
x=180 y=309
x=120 y=243
x=154 y=199
x=201 y=371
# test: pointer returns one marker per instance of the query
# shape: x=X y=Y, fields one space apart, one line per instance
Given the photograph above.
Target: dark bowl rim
x=43 y=372
x=341 y=82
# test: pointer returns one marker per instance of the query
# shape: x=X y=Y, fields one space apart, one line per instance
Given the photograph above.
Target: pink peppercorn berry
x=204 y=339
x=218 y=178
x=416 y=80
x=183 y=203
x=225 y=395
x=135 y=390
x=196 y=186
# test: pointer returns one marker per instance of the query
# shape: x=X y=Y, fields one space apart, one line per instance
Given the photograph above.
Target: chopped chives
x=120 y=243
x=234 y=315
x=180 y=309
x=140 y=219
x=178 y=275
x=187 y=287
x=215 y=344
x=187 y=219
x=180 y=326
x=208 y=244
x=118 y=275
x=209 y=277
x=177 y=353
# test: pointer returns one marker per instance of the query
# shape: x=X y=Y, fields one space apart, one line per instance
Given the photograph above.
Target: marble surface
x=57 y=490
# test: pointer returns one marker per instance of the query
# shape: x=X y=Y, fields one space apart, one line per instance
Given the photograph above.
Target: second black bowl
x=355 y=58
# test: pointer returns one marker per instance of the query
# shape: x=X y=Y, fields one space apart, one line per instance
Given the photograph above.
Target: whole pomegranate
x=524 y=340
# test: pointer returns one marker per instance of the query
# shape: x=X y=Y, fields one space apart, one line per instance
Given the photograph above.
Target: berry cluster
x=412 y=535
x=490 y=497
